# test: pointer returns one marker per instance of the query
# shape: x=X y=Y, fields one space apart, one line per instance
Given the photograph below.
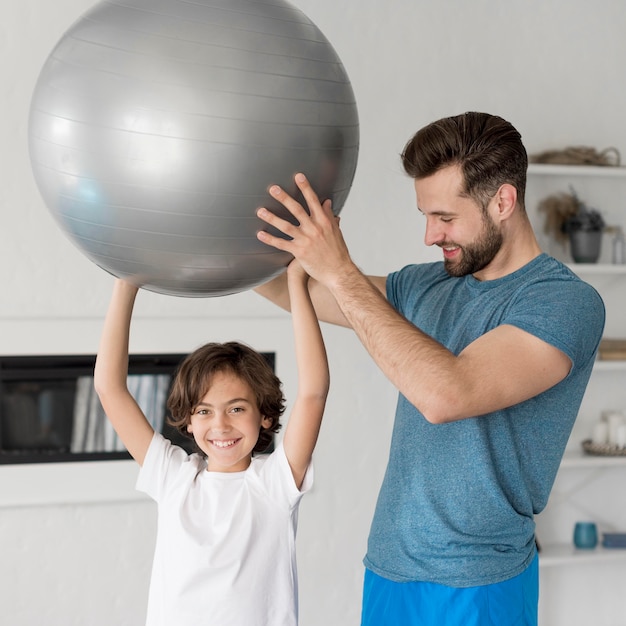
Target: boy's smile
x=226 y=423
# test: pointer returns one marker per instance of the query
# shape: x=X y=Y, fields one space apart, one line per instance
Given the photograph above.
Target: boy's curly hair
x=194 y=377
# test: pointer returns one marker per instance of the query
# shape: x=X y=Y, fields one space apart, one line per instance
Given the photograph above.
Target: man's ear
x=506 y=198
x=266 y=422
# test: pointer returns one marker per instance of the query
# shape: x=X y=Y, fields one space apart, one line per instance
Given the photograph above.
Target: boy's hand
x=127 y=285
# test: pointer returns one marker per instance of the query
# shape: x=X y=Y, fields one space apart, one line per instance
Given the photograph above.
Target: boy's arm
x=111 y=371
x=326 y=307
x=313 y=376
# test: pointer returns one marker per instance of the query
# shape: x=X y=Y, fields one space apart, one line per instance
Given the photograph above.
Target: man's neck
x=510 y=258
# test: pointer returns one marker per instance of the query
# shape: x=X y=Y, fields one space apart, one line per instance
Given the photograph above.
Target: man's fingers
x=297 y=211
x=311 y=197
x=279 y=223
x=271 y=240
x=294 y=207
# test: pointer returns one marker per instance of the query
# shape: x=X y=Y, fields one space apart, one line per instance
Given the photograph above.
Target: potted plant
x=568 y=217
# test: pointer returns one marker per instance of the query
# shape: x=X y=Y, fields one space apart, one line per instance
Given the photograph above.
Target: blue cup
x=585 y=535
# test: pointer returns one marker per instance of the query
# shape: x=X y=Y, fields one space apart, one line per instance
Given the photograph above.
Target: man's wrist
x=347 y=279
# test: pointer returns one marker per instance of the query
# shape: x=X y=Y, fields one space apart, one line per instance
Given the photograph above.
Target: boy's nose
x=220 y=423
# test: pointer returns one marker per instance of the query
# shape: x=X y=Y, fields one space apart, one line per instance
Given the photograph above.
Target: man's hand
x=317 y=242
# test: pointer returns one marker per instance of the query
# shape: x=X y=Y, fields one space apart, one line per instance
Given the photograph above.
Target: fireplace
x=49 y=411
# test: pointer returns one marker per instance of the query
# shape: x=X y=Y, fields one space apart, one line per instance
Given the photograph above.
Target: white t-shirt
x=225 y=548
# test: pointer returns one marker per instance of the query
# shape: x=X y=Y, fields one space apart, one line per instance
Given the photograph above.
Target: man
x=491 y=351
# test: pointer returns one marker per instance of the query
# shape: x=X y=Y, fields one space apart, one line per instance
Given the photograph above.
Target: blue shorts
x=513 y=602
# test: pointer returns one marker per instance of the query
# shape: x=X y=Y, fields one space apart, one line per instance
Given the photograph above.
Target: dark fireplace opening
x=49 y=411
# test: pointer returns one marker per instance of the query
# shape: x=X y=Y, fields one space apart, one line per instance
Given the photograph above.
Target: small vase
x=585 y=245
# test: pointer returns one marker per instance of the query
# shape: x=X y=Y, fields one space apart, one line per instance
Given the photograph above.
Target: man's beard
x=477 y=255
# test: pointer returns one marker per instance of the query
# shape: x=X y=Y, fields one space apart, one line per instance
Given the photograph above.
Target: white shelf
x=544 y=169
x=578 y=459
x=598 y=183
x=567 y=554
x=609 y=366
x=597 y=269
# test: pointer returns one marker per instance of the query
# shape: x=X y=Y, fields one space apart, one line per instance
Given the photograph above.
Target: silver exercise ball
x=156 y=127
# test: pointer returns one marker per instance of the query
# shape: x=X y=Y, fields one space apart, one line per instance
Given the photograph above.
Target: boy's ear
x=266 y=422
x=189 y=429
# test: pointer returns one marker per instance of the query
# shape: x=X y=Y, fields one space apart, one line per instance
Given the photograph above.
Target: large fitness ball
x=156 y=127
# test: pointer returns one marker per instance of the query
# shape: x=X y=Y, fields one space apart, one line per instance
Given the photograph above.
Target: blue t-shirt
x=457 y=501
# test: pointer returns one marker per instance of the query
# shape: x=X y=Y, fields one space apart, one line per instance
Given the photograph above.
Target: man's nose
x=433 y=234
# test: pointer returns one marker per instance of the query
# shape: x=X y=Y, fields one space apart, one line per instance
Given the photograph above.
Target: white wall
x=555 y=68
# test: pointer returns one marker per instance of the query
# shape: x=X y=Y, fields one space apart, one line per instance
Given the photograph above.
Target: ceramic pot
x=585 y=245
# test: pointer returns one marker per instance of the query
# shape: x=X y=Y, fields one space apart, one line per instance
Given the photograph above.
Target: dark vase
x=585 y=245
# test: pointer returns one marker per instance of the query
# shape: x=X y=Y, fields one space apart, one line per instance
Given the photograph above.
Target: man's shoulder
x=554 y=274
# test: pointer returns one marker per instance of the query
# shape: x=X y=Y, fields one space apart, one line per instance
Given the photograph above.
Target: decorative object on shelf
x=612 y=350
x=614 y=540
x=569 y=217
x=618 y=256
x=578 y=155
x=602 y=449
x=585 y=535
x=600 y=434
x=609 y=435
x=617 y=428
x=585 y=245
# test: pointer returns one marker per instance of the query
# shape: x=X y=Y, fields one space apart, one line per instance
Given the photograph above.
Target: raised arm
x=326 y=307
x=498 y=370
x=313 y=376
x=111 y=371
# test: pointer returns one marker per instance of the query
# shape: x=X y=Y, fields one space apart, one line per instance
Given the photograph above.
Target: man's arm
x=111 y=372
x=325 y=305
x=501 y=368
